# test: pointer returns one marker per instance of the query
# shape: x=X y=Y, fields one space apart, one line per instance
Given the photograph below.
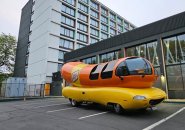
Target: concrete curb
x=18 y=99
x=179 y=101
x=27 y=98
x=53 y=96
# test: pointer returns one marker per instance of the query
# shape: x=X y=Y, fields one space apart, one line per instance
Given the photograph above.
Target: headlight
x=138 y=97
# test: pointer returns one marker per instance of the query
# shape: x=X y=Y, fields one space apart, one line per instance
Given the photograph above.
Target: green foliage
x=7 y=52
x=4 y=76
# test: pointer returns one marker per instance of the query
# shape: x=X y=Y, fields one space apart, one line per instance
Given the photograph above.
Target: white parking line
x=49 y=105
x=92 y=115
x=163 y=120
x=61 y=110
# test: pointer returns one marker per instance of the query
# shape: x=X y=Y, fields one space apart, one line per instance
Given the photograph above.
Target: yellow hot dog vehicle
x=125 y=83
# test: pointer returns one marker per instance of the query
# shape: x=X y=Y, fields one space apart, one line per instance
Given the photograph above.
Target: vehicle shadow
x=130 y=113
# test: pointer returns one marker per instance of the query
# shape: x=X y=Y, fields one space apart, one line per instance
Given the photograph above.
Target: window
x=126 y=24
x=126 y=30
x=82 y=27
x=112 y=31
x=181 y=40
x=61 y=55
x=152 y=53
x=104 y=19
x=68 y=21
x=95 y=72
x=94 y=32
x=120 y=21
x=67 y=32
x=107 y=70
x=28 y=49
x=78 y=46
x=27 y=57
x=104 y=27
x=94 y=5
x=122 y=66
x=104 y=11
x=171 y=51
x=141 y=51
x=120 y=28
x=110 y=56
x=94 y=22
x=174 y=49
x=103 y=58
x=112 y=16
x=59 y=67
x=113 y=24
x=131 y=51
x=83 y=7
x=82 y=17
x=91 y=60
x=26 y=71
x=82 y=37
x=68 y=10
x=94 y=14
x=85 y=1
x=66 y=44
x=93 y=40
x=72 y=2
x=138 y=66
x=104 y=36
x=175 y=77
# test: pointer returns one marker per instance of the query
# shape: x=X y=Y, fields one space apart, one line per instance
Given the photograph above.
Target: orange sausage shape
x=128 y=72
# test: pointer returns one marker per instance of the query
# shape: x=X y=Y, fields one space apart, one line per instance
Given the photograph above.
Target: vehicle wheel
x=74 y=103
x=118 y=109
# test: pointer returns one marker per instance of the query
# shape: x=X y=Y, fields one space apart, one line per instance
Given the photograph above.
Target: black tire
x=74 y=103
x=117 y=108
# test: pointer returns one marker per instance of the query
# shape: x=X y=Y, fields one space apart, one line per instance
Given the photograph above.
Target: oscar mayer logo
x=75 y=76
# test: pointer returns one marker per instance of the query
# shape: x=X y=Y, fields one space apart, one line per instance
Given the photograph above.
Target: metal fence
x=11 y=90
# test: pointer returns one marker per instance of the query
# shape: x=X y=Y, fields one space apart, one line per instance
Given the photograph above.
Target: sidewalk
x=18 y=99
x=174 y=101
x=27 y=98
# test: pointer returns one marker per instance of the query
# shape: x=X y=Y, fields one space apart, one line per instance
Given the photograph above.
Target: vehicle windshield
x=138 y=66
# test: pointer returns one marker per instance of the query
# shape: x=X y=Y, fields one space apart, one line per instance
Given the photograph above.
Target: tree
x=7 y=53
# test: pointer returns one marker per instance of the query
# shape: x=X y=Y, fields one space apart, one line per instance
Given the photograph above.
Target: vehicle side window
x=122 y=66
x=138 y=66
x=95 y=72
x=107 y=70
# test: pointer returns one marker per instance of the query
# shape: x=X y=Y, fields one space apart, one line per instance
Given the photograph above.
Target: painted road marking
x=163 y=120
x=61 y=110
x=49 y=105
x=92 y=115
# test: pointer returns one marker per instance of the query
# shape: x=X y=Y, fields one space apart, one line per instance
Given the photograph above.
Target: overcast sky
x=138 y=12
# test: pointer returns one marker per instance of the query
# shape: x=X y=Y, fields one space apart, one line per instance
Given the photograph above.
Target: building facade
x=60 y=26
x=23 y=41
x=161 y=42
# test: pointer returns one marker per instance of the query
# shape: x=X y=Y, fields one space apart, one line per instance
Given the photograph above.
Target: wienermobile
x=125 y=83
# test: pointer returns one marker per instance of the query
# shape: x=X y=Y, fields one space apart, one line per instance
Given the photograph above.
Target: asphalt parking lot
x=57 y=114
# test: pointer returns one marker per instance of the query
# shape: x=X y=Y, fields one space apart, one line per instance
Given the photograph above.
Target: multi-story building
x=60 y=26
